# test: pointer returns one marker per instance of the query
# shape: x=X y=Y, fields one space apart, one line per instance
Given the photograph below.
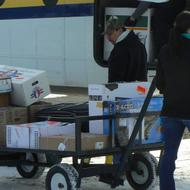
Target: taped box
x=48 y=128
x=67 y=142
x=98 y=93
x=29 y=85
x=13 y=115
x=27 y=135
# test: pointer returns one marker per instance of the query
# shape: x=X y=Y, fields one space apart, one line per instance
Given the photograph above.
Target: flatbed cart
x=139 y=166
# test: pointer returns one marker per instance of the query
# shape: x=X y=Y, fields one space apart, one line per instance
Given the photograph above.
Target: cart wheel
x=62 y=176
x=142 y=175
x=30 y=171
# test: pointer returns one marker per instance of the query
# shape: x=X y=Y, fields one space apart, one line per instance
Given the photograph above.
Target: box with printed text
x=29 y=85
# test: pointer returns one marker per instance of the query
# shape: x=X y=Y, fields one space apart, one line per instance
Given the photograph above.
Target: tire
x=50 y=3
x=30 y=171
x=142 y=175
x=62 y=176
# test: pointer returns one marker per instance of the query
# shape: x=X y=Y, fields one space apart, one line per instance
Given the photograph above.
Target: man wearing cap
x=163 y=18
x=128 y=59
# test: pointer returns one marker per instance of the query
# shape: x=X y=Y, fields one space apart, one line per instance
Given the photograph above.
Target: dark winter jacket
x=173 y=81
x=128 y=60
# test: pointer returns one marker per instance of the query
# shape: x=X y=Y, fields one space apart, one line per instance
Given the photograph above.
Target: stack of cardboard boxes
x=25 y=88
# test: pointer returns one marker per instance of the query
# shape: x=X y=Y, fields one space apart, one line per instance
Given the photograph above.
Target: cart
x=139 y=166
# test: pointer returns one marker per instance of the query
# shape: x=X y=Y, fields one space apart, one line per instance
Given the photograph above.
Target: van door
x=122 y=9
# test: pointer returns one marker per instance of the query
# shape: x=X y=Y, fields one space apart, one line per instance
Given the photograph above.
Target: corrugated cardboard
x=67 y=142
x=45 y=129
x=2 y=135
x=29 y=85
x=13 y=115
x=4 y=99
x=110 y=92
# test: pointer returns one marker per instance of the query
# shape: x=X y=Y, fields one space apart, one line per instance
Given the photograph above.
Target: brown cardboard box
x=34 y=108
x=13 y=115
x=4 y=99
x=19 y=115
x=67 y=142
x=5 y=115
x=2 y=135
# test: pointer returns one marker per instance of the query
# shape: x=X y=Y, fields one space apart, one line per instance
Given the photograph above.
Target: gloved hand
x=130 y=22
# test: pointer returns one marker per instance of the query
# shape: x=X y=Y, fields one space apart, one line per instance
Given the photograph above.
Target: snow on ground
x=10 y=180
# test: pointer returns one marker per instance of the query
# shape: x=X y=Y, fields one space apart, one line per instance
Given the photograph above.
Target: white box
x=46 y=128
x=17 y=136
x=96 y=108
x=29 y=85
x=111 y=91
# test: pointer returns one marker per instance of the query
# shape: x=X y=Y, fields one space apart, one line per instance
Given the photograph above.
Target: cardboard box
x=155 y=132
x=4 y=99
x=5 y=84
x=34 y=108
x=17 y=136
x=67 y=142
x=29 y=85
x=134 y=105
x=13 y=115
x=2 y=135
x=110 y=92
x=48 y=128
x=27 y=135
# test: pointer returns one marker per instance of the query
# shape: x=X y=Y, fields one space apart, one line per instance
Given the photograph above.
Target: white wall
x=61 y=46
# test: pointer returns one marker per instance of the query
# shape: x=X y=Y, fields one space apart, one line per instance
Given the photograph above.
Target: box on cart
x=48 y=128
x=110 y=92
x=67 y=142
x=13 y=115
x=29 y=85
x=31 y=132
x=5 y=99
x=17 y=136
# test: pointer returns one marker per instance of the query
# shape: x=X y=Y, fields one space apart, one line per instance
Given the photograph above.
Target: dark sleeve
x=117 y=65
x=142 y=7
x=160 y=76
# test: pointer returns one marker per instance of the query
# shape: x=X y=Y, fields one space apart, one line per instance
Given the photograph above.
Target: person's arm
x=142 y=7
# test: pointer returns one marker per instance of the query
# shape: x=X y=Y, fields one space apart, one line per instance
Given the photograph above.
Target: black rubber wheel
x=2 y=2
x=30 y=171
x=142 y=175
x=61 y=176
x=50 y=3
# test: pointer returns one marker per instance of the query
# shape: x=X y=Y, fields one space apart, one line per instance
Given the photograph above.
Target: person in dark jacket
x=128 y=59
x=173 y=81
x=163 y=18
